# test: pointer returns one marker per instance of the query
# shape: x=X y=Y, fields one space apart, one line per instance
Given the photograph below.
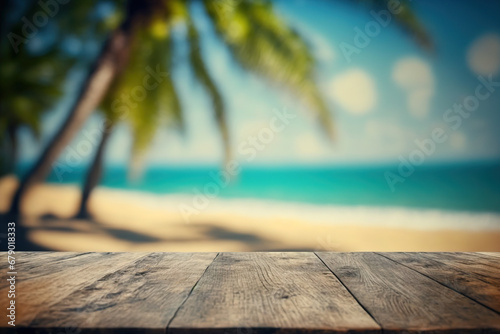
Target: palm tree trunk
x=9 y=147
x=94 y=174
x=13 y=150
x=110 y=62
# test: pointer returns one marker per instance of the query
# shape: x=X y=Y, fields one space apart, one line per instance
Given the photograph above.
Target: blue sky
x=389 y=95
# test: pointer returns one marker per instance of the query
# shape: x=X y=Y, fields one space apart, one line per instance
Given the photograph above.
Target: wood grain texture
x=495 y=254
x=488 y=268
x=402 y=300
x=140 y=297
x=32 y=259
x=477 y=287
x=249 y=293
x=30 y=266
x=483 y=258
x=267 y=292
x=42 y=284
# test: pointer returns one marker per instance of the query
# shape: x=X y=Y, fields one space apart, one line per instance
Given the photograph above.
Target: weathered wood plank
x=142 y=297
x=30 y=266
x=292 y=292
x=31 y=258
x=402 y=300
x=495 y=254
x=487 y=268
x=285 y=292
x=484 y=258
x=474 y=257
x=483 y=290
x=40 y=287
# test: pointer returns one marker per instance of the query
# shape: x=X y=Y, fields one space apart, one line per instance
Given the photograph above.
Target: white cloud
x=416 y=78
x=354 y=90
x=483 y=55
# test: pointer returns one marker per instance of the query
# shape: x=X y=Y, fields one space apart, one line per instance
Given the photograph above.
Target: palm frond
x=262 y=43
x=168 y=100
x=151 y=50
x=203 y=76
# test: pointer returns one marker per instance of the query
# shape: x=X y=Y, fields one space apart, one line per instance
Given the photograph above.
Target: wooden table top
x=325 y=292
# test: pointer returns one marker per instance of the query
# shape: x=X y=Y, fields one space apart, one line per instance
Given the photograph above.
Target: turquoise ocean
x=466 y=195
x=457 y=187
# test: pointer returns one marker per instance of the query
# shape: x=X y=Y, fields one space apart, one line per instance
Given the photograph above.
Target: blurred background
x=240 y=125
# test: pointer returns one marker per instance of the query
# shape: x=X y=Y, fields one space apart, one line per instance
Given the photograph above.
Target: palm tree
x=258 y=39
x=144 y=119
x=161 y=107
x=33 y=79
x=108 y=65
x=265 y=50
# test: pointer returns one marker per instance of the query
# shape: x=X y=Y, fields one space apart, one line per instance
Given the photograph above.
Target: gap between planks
x=348 y=290
x=190 y=292
x=443 y=284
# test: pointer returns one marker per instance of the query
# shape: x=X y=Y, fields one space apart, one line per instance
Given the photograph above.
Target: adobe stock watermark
x=120 y=107
x=247 y=149
x=454 y=117
x=363 y=37
x=30 y=26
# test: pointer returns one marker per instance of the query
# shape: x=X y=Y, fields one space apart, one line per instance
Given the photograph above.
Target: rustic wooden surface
x=247 y=293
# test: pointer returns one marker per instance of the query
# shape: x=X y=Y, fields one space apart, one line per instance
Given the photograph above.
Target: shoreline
x=128 y=221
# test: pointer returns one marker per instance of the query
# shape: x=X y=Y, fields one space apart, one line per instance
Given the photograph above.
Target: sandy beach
x=126 y=222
